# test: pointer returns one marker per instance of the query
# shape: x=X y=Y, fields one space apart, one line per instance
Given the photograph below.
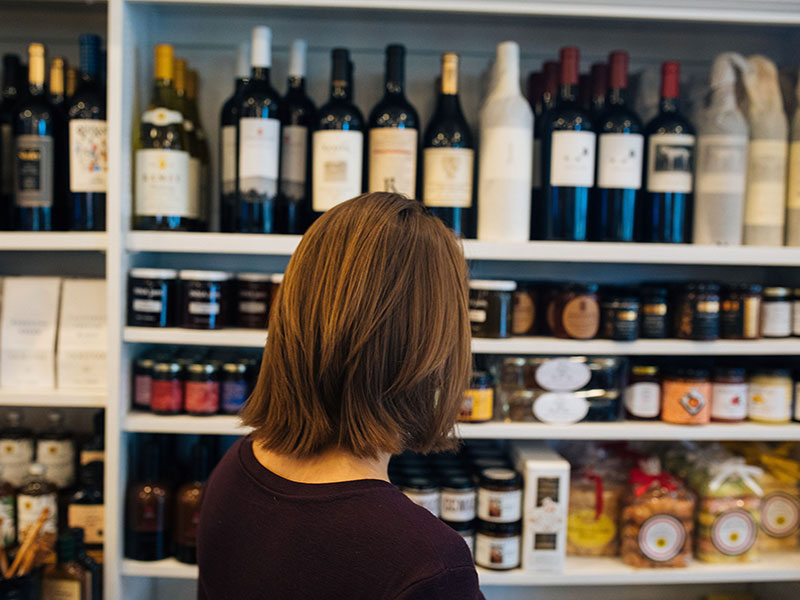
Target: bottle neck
x=297 y=84
x=616 y=96
x=506 y=80
x=163 y=94
x=668 y=105
x=724 y=98
x=568 y=94
x=240 y=83
x=260 y=74
x=340 y=90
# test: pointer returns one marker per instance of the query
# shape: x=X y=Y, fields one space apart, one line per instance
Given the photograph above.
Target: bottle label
x=619 y=164
x=458 y=507
x=721 y=164
x=259 y=144
x=499 y=507
x=29 y=509
x=337 y=167
x=15 y=458
x=8 y=531
x=560 y=408
x=793 y=196
x=194 y=183
x=643 y=399
x=6 y=159
x=477 y=405
x=780 y=514
x=393 y=160
x=496 y=553
x=729 y=401
x=90 y=518
x=776 y=319
x=294 y=149
x=61 y=589
x=766 y=182
x=563 y=375
x=228 y=149
x=586 y=530
x=447 y=180
x=770 y=402
x=90 y=456
x=33 y=173
x=88 y=155
x=58 y=458
x=734 y=532
x=661 y=538
x=572 y=158
x=427 y=500
x=536 y=175
x=670 y=163
x=162 y=184
x=506 y=153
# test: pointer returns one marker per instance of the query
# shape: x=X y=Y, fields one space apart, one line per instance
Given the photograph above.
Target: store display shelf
x=232 y=338
x=64 y=241
x=169 y=568
x=143 y=422
x=67 y=398
x=211 y=243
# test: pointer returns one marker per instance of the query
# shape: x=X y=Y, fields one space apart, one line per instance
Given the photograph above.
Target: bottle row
x=53 y=155
x=569 y=390
x=702 y=311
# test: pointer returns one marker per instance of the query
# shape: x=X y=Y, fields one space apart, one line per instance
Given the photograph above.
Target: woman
x=368 y=355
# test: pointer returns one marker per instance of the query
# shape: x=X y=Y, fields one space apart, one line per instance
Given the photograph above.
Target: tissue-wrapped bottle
x=793 y=196
x=720 y=178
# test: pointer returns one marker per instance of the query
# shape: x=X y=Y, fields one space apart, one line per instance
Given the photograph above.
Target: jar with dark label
x=770 y=396
x=577 y=312
x=686 y=397
x=152 y=297
x=654 y=317
x=490 y=307
x=643 y=394
x=620 y=316
x=142 y=383
x=423 y=492
x=697 y=312
x=729 y=395
x=233 y=387
x=458 y=499
x=497 y=545
x=740 y=310
x=523 y=312
x=201 y=395
x=253 y=299
x=500 y=495
x=204 y=299
x=776 y=313
x=478 y=404
x=167 y=394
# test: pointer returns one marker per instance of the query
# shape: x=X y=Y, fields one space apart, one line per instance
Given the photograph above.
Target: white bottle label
x=496 y=553
x=427 y=500
x=228 y=150
x=506 y=153
x=337 y=167
x=769 y=402
x=29 y=509
x=721 y=164
x=58 y=458
x=294 y=148
x=15 y=458
x=88 y=166
x=499 y=507
x=33 y=171
x=643 y=399
x=447 y=179
x=536 y=174
x=766 y=182
x=458 y=507
x=670 y=163
x=162 y=184
x=661 y=538
x=734 y=532
x=619 y=161
x=780 y=514
x=793 y=196
x=729 y=401
x=776 y=319
x=259 y=150
x=393 y=160
x=572 y=158
x=194 y=183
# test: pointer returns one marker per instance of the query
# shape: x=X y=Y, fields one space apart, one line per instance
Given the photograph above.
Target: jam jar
x=729 y=395
x=796 y=313
x=500 y=495
x=523 y=312
x=458 y=500
x=204 y=299
x=697 y=312
x=776 y=313
x=740 y=310
x=478 y=404
x=654 y=312
x=143 y=382
x=620 y=315
x=152 y=297
x=167 y=394
x=686 y=396
x=202 y=388
x=234 y=387
x=490 y=307
x=497 y=545
x=770 y=396
x=577 y=312
x=253 y=292
x=423 y=492
x=643 y=394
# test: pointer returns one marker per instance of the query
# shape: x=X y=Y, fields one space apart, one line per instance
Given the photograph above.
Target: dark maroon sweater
x=264 y=537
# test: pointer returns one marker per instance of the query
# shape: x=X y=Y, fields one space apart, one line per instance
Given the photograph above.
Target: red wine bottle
x=599 y=77
x=551 y=73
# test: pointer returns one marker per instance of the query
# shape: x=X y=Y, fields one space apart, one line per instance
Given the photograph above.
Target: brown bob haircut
x=369 y=340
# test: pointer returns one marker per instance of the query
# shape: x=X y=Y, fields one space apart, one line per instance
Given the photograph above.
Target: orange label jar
x=686 y=397
x=478 y=404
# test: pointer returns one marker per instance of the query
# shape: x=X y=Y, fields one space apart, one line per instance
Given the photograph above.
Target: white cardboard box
x=545 y=506
x=28 y=332
x=81 y=357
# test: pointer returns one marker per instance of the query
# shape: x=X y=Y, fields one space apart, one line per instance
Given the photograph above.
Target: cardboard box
x=545 y=505
x=82 y=335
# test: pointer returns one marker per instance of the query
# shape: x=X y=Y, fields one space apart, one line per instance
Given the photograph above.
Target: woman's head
x=369 y=344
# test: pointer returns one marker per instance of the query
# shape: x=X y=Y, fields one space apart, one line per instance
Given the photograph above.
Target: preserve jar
x=478 y=404
x=514 y=401
x=776 y=313
x=167 y=394
x=729 y=395
x=620 y=316
x=796 y=313
x=697 y=312
x=490 y=307
x=423 y=492
x=142 y=383
x=548 y=302
x=770 y=396
x=152 y=297
x=458 y=499
x=499 y=495
x=497 y=545
x=577 y=312
x=686 y=397
x=523 y=312
x=654 y=312
x=740 y=310
x=643 y=394
x=253 y=299
x=204 y=299
x=233 y=387
x=201 y=392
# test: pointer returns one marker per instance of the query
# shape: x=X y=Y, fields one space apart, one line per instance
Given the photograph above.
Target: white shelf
x=169 y=568
x=143 y=422
x=211 y=243
x=233 y=338
x=67 y=398
x=69 y=241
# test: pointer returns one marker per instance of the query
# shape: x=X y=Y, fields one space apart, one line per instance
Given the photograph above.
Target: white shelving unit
x=31 y=398
x=56 y=241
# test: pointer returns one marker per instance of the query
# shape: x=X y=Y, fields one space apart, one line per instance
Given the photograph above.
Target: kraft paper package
x=793 y=194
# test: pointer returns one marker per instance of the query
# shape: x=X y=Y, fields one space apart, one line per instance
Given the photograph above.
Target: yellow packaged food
x=593 y=521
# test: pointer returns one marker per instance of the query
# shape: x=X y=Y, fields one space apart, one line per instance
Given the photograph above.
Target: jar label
x=167 y=396
x=58 y=458
x=499 y=507
x=670 y=163
x=563 y=375
x=162 y=184
x=478 y=405
x=294 y=153
x=693 y=402
x=427 y=500
x=643 y=399
x=796 y=312
x=253 y=307
x=780 y=514
x=448 y=177
x=587 y=530
x=62 y=589
x=729 y=401
x=90 y=518
x=734 y=532
x=477 y=316
x=88 y=153
x=770 y=402
x=496 y=553
x=581 y=318
x=685 y=403
x=15 y=458
x=228 y=174
x=776 y=319
x=234 y=395
x=560 y=408
x=202 y=397
x=572 y=158
x=458 y=507
x=34 y=172
x=393 y=160
x=8 y=532
x=29 y=509
x=765 y=201
x=142 y=390
x=523 y=313
x=259 y=144
x=337 y=164
x=147 y=306
x=619 y=164
x=203 y=308
x=661 y=538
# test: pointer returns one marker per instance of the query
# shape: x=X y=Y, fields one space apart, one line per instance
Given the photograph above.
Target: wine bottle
x=195 y=160
x=258 y=135
x=669 y=159
x=58 y=94
x=297 y=119
x=148 y=502
x=13 y=82
x=68 y=579
x=85 y=508
x=620 y=156
x=550 y=78
x=393 y=133
x=162 y=198
x=568 y=153
x=17 y=446
x=35 y=142
x=88 y=167
x=92 y=565
x=599 y=87
x=202 y=145
x=585 y=91
x=71 y=79
x=228 y=169
x=449 y=156
x=94 y=449
x=36 y=494
x=338 y=141
x=505 y=165
x=188 y=498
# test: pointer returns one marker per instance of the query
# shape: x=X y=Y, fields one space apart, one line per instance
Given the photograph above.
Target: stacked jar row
x=691 y=311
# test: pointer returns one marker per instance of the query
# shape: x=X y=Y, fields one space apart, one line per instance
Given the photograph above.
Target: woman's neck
x=331 y=466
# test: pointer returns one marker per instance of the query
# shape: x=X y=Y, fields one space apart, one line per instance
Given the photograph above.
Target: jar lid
x=644 y=370
x=419 y=484
x=254 y=277
x=754 y=288
x=447 y=472
x=205 y=275
x=776 y=292
x=489 y=462
x=499 y=528
x=772 y=372
x=461 y=527
x=493 y=285
x=140 y=273
x=500 y=477
x=690 y=372
x=480 y=378
x=702 y=287
x=277 y=278
x=730 y=372
x=146 y=363
x=167 y=367
x=234 y=367
x=202 y=368
x=457 y=483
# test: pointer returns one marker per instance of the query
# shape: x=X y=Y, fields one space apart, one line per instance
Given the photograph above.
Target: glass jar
x=729 y=395
x=654 y=313
x=233 y=387
x=548 y=299
x=643 y=394
x=152 y=297
x=770 y=396
x=202 y=388
x=490 y=307
x=697 y=312
x=796 y=313
x=478 y=404
x=204 y=299
x=252 y=299
x=500 y=495
x=776 y=313
x=577 y=312
x=497 y=545
x=686 y=395
x=458 y=499
x=620 y=316
x=740 y=310
x=142 y=383
x=167 y=391
x=514 y=401
x=423 y=492
x=523 y=312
